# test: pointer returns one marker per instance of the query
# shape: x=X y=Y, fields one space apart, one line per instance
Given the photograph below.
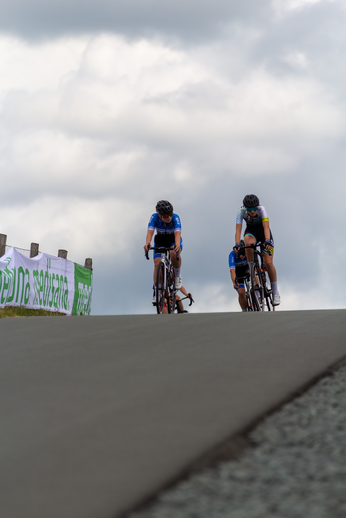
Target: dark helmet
x=164 y=207
x=250 y=200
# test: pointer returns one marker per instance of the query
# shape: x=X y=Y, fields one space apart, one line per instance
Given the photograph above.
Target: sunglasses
x=169 y=215
x=252 y=209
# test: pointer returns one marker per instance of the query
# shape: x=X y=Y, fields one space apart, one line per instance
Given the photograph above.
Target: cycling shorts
x=166 y=241
x=257 y=231
x=241 y=272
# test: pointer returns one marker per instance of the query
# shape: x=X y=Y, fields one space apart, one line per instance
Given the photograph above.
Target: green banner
x=83 y=278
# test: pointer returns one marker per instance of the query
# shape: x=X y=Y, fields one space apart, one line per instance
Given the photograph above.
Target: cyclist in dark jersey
x=257 y=230
x=239 y=268
x=167 y=226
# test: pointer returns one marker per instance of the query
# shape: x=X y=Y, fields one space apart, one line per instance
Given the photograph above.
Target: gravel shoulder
x=293 y=465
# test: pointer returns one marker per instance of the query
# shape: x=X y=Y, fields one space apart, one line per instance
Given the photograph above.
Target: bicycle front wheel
x=160 y=288
x=257 y=294
x=269 y=298
x=268 y=295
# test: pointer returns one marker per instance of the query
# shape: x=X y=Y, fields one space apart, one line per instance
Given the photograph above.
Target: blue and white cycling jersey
x=240 y=266
x=156 y=223
x=165 y=231
x=235 y=262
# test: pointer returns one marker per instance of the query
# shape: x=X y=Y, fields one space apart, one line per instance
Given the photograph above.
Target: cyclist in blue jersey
x=166 y=226
x=257 y=230
x=239 y=268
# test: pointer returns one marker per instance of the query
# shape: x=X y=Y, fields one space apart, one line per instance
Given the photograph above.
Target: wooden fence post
x=34 y=249
x=88 y=263
x=62 y=254
x=3 y=240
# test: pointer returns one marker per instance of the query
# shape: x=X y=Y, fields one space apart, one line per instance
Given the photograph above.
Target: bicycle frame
x=261 y=295
x=165 y=290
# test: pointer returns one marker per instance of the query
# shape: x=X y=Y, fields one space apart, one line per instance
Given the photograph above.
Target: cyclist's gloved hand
x=147 y=247
x=177 y=250
x=268 y=245
x=236 y=247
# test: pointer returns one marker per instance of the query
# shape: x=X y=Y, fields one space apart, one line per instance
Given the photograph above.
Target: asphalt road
x=98 y=413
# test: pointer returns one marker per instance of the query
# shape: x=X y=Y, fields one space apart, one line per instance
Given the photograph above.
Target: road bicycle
x=261 y=295
x=164 y=286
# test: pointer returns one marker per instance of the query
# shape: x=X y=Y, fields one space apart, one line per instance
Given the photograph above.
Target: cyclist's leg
x=157 y=256
x=242 y=297
x=269 y=264
x=177 y=264
x=249 y=239
x=157 y=259
x=165 y=308
x=268 y=260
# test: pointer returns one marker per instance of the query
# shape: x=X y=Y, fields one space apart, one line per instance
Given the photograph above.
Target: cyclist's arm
x=266 y=228
x=238 y=228
x=183 y=291
x=232 y=272
x=149 y=237
x=177 y=235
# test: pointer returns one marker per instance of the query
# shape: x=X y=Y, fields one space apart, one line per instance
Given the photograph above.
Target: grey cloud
x=192 y=20
x=317 y=31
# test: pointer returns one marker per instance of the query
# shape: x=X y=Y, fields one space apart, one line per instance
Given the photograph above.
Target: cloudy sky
x=107 y=107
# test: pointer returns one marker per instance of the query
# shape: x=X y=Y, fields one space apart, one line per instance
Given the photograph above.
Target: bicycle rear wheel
x=257 y=294
x=160 y=288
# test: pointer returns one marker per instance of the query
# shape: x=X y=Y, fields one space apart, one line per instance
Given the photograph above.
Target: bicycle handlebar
x=187 y=297
x=159 y=249
x=254 y=247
